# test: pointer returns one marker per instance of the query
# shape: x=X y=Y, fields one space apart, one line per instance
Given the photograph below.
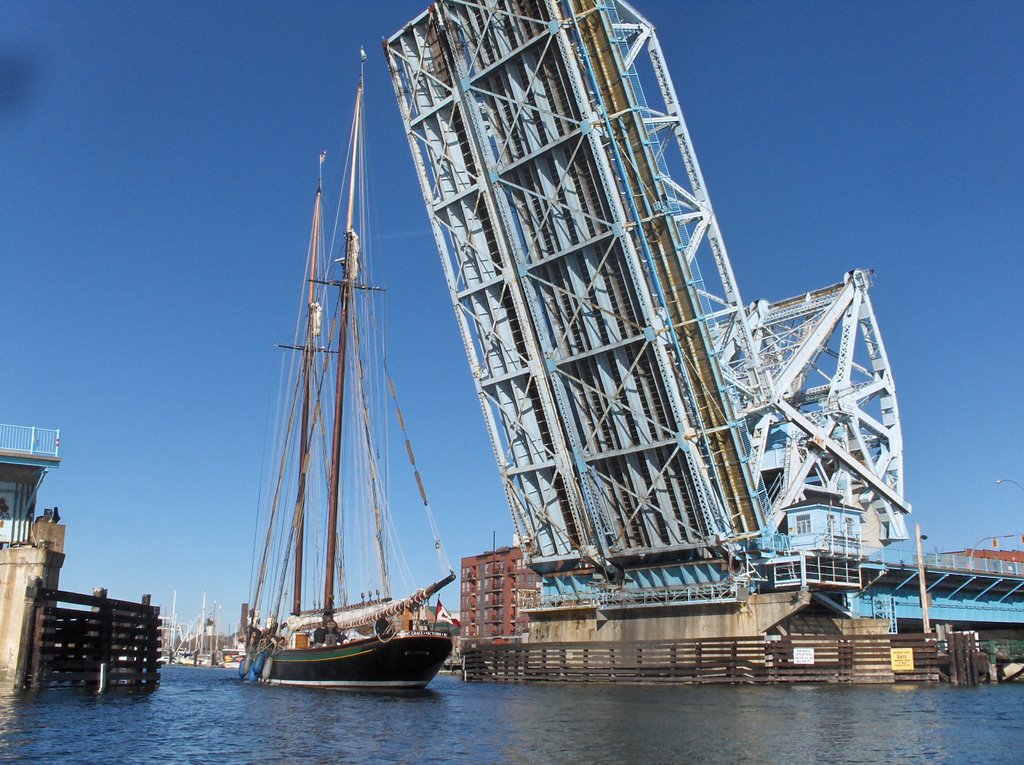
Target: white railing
x=806 y=567
x=30 y=440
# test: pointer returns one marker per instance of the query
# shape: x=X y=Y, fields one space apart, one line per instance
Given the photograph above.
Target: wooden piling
x=91 y=640
x=751 y=660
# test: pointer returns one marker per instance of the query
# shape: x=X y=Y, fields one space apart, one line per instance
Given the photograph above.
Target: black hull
x=404 y=661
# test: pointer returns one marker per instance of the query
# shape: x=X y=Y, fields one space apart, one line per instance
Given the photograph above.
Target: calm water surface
x=208 y=715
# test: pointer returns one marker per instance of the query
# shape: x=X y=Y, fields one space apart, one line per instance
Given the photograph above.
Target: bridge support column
x=19 y=566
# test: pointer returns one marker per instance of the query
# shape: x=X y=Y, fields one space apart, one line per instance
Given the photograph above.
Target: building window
x=803 y=524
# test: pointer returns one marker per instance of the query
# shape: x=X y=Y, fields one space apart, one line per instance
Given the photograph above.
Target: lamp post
x=994 y=538
x=1009 y=480
x=995 y=544
x=973 y=549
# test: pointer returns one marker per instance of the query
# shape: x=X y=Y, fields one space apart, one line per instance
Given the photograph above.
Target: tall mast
x=347 y=288
x=313 y=322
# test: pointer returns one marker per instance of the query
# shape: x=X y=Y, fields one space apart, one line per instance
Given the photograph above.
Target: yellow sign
x=901 y=659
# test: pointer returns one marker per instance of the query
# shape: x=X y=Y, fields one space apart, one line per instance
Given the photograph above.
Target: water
x=208 y=716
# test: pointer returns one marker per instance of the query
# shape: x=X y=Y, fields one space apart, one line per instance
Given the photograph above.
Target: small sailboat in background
x=338 y=535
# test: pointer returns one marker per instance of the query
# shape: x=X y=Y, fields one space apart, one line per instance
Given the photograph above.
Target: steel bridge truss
x=630 y=396
x=828 y=418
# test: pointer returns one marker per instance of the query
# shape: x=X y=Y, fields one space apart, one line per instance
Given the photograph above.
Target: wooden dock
x=754 y=660
x=73 y=639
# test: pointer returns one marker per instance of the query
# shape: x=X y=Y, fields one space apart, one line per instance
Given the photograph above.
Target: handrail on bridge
x=948 y=561
x=30 y=440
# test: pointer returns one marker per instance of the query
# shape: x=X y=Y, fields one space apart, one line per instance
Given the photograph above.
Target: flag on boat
x=441 y=615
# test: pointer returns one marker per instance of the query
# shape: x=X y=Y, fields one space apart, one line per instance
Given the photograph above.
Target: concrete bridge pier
x=758 y=615
x=42 y=558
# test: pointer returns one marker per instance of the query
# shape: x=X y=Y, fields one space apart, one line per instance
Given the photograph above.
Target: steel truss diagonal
x=834 y=424
x=633 y=403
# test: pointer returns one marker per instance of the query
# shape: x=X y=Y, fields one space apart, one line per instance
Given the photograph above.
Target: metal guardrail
x=30 y=440
x=713 y=592
x=948 y=561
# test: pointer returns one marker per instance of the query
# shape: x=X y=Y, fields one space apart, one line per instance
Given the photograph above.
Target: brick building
x=497 y=587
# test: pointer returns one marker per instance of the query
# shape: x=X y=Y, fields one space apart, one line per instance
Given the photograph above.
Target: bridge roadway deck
x=963 y=589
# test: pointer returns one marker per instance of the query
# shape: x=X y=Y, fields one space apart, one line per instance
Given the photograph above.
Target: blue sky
x=157 y=166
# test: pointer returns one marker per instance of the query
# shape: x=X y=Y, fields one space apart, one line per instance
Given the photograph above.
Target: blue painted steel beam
x=985 y=591
x=900 y=586
x=967 y=582
x=937 y=582
x=1010 y=592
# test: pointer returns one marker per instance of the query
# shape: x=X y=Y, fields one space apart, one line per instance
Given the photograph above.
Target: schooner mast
x=313 y=323
x=351 y=271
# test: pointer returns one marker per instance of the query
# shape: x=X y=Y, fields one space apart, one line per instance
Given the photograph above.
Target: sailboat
x=304 y=628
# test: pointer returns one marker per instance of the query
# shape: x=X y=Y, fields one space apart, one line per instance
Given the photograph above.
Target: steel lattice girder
x=616 y=365
x=833 y=420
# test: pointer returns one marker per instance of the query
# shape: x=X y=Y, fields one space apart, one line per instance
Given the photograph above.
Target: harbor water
x=201 y=715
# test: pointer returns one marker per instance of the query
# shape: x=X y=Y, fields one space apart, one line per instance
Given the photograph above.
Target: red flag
x=441 y=614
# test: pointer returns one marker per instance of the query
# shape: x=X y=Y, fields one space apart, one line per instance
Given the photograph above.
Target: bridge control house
x=29 y=549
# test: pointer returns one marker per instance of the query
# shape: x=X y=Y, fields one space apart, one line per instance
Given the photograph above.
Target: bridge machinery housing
x=677 y=462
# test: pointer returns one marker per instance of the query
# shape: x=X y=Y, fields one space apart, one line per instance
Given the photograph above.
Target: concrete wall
x=18 y=567
x=863 y=626
x=718 y=620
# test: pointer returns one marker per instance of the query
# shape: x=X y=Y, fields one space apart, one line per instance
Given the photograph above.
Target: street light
x=1009 y=480
x=974 y=547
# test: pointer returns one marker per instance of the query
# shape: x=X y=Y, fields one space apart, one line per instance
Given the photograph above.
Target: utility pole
x=921 y=581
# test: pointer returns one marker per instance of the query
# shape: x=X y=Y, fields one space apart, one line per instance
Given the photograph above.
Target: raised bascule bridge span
x=675 y=460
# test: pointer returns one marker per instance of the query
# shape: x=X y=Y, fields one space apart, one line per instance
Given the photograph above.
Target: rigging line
x=311 y=329
x=282 y=574
x=408 y=580
x=374 y=546
x=374 y=498
x=438 y=547
x=379 y=329
x=341 y=532
x=300 y=327
x=315 y=498
x=357 y=479
x=347 y=286
x=345 y=170
x=273 y=515
x=282 y=434
x=259 y=492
